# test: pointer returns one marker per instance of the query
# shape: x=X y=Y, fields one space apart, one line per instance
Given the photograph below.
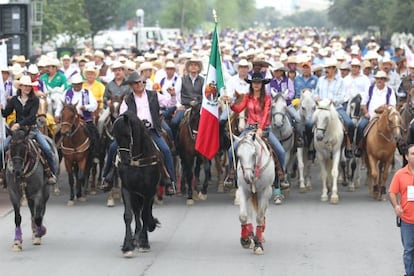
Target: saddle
x=278 y=166
x=369 y=126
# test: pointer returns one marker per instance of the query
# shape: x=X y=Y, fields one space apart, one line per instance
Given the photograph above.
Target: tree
x=185 y=14
x=101 y=14
x=401 y=16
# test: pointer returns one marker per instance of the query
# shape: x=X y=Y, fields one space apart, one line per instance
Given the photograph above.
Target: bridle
x=74 y=125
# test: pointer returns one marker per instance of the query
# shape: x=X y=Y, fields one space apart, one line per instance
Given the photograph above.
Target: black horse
x=140 y=170
x=25 y=173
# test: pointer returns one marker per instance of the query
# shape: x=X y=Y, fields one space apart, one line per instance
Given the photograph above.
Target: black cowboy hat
x=257 y=77
x=133 y=77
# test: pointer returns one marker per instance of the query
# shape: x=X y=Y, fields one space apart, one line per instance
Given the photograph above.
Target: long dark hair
x=31 y=94
x=262 y=95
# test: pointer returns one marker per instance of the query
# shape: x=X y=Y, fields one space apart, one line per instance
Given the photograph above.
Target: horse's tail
x=255 y=202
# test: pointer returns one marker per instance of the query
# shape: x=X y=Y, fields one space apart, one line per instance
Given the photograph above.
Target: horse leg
x=188 y=178
x=18 y=237
x=324 y=176
x=83 y=179
x=335 y=163
x=94 y=170
x=262 y=204
x=219 y=171
x=71 y=180
x=299 y=156
x=128 y=245
x=373 y=189
x=202 y=195
x=246 y=238
x=357 y=175
x=382 y=190
x=148 y=224
x=38 y=229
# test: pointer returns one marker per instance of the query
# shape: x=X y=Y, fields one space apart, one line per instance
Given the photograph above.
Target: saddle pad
x=369 y=126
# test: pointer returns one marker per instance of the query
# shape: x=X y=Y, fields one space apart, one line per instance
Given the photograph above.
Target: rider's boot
x=107 y=182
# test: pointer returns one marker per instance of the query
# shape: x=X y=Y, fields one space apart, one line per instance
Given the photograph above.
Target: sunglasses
x=139 y=82
x=381 y=78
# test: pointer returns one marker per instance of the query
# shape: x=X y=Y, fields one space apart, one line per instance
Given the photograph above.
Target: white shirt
x=175 y=82
x=72 y=69
x=77 y=99
x=235 y=83
x=394 y=80
x=379 y=98
x=355 y=85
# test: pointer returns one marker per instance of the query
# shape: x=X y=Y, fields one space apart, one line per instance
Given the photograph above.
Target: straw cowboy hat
x=25 y=80
x=21 y=59
x=257 y=77
x=117 y=64
x=278 y=66
x=196 y=60
x=76 y=79
x=244 y=63
x=145 y=66
x=330 y=62
x=52 y=62
x=33 y=69
x=170 y=65
x=355 y=62
x=99 y=54
x=380 y=75
x=90 y=68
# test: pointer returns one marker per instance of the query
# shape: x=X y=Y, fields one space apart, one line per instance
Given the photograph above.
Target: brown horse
x=407 y=116
x=75 y=149
x=381 y=142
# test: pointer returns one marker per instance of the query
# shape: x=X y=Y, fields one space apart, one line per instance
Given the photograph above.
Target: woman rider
x=258 y=105
x=26 y=104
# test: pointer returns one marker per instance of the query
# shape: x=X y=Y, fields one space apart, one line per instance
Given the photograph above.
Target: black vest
x=153 y=106
x=190 y=92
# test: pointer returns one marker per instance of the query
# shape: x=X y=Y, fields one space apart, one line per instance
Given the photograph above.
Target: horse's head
x=307 y=106
x=394 y=122
x=322 y=118
x=354 y=108
x=115 y=105
x=42 y=111
x=19 y=150
x=194 y=119
x=69 y=119
x=278 y=110
x=247 y=156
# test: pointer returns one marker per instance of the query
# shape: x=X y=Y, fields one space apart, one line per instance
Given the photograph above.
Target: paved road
x=303 y=237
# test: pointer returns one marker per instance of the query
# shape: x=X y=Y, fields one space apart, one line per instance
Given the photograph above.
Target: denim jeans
x=347 y=121
x=298 y=122
x=360 y=129
x=407 y=238
x=175 y=123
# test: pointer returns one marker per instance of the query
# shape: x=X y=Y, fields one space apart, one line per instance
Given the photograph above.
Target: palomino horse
x=25 y=174
x=75 y=146
x=140 y=169
x=187 y=134
x=328 y=138
x=255 y=176
x=381 y=142
x=41 y=116
x=351 y=167
x=307 y=107
x=283 y=130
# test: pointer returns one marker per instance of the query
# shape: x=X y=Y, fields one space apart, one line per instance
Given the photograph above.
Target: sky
x=286 y=6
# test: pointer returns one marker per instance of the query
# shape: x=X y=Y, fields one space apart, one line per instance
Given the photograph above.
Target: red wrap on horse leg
x=259 y=233
x=246 y=229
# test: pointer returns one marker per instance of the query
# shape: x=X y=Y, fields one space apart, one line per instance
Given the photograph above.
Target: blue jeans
x=360 y=129
x=44 y=146
x=175 y=123
x=407 y=238
x=274 y=142
x=110 y=158
x=298 y=122
x=347 y=121
x=167 y=128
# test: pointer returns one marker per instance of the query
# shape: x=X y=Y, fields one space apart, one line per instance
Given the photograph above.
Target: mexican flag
x=207 y=142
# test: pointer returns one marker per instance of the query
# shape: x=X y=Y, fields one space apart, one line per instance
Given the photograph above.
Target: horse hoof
x=247 y=243
x=110 y=203
x=159 y=201
x=56 y=191
x=144 y=249
x=71 y=203
x=309 y=187
x=285 y=193
x=92 y=192
x=220 y=188
x=258 y=250
x=324 y=198
x=128 y=254
x=351 y=189
x=303 y=190
x=334 y=200
x=277 y=201
x=202 y=196
x=37 y=240
x=82 y=199
x=17 y=246
x=190 y=202
x=195 y=196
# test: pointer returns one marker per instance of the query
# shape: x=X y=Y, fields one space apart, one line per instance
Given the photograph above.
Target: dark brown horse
x=75 y=145
x=407 y=116
x=187 y=134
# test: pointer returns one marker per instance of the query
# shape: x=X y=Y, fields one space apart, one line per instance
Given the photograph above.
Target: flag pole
x=227 y=110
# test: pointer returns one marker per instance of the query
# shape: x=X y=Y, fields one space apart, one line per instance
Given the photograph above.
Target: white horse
x=283 y=130
x=255 y=176
x=328 y=137
x=306 y=109
x=351 y=167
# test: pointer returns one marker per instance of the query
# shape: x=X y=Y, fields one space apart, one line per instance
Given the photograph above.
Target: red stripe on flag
x=207 y=142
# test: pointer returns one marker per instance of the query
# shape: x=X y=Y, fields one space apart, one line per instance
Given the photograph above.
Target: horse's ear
x=236 y=138
x=273 y=92
x=254 y=136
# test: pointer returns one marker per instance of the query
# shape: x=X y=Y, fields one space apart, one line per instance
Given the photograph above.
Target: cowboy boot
x=348 y=147
x=281 y=175
x=108 y=181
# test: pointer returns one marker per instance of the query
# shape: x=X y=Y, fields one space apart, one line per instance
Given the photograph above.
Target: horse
x=255 y=176
x=25 y=174
x=328 y=140
x=41 y=115
x=75 y=145
x=407 y=116
x=351 y=167
x=283 y=130
x=381 y=142
x=187 y=134
x=307 y=107
x=140 y=168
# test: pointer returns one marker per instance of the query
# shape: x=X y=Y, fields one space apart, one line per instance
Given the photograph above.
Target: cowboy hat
x=21 y=59
x=278 y=66
x=257 y=77
x=52 y=62
x=133 y=77
x=170 y=65
x=26 y=80
x=196 y=60
x=77 y=78
x=330 y=62
x=244 y=63
x=145 y=66
x=99 y=54
x=380 y=75
x=130 y=65
x=117 y=64
x=67 y=57
x=33 y=69
x=344 y=66
x=90 y=68
x=355 y=62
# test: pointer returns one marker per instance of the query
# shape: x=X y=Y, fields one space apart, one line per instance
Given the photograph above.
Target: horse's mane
x=71 y=107
x=357 y=100
x=278 y=96
x=326 y=105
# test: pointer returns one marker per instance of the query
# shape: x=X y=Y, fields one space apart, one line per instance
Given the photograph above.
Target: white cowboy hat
x=330 y=62
x=278 y=66
x=130 y=65
x=117 y=64
x=67 y=57
x=170 y=64
x=26 y=80
x=52 y=62
x=5 y=69
x=371 y=55
x=77 y=78
x=381 y=74
x=33 y=69
x=90 y=67
x=243 y=62
x=99 y=54
x=344 y=66
x=194 y=59
x=145 y=66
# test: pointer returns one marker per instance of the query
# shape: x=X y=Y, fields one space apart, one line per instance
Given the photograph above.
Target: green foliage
x=185 y=14
x=101 y=14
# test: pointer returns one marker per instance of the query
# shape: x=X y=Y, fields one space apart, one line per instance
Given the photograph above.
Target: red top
x=403 y=178
x=255 y=114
